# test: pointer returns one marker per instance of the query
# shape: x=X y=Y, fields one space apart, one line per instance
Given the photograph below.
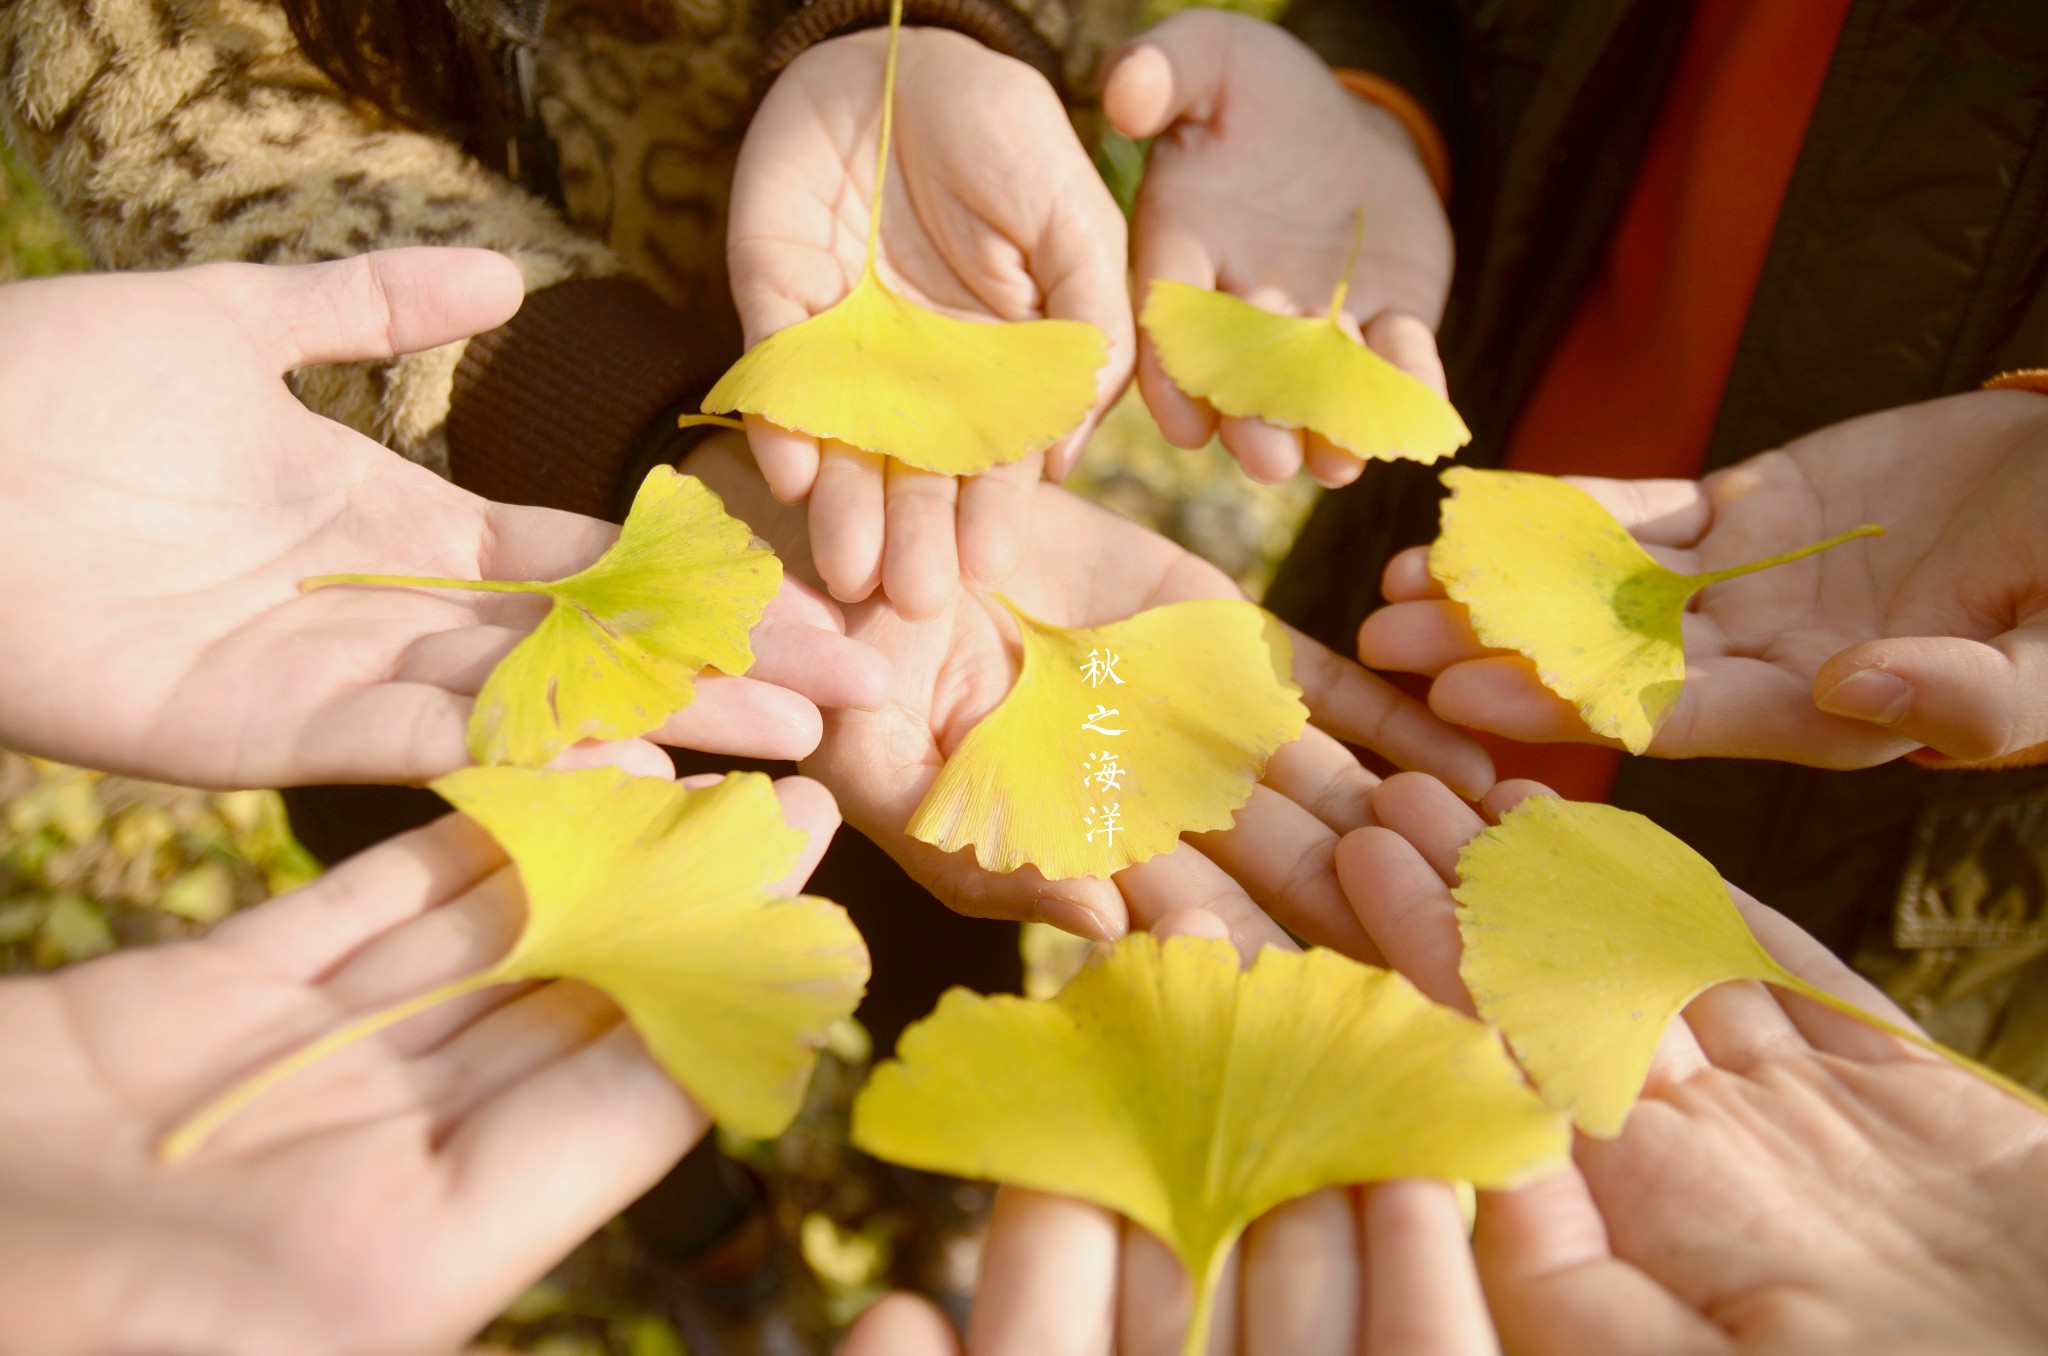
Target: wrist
x=992 y=23
x=1401 y=111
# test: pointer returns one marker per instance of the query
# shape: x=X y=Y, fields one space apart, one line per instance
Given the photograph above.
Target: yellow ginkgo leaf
x=657 y=895
x=619 y=651
x=1545 y=570
x=1298 y=372
x=1193 y=1097
x=882 y=373
x=1118 y=739
x=1586 y=930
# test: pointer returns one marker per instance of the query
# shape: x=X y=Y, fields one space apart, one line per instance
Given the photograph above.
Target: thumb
x=376 y=305
x=1173 y=73
x=900 y=1325
x=1971 y=700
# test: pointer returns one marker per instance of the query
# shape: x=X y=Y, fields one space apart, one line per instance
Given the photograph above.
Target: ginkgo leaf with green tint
x=1298 y=372
x=1586 y=930
x=1118 y=739
x=1192 y=1097
x=1546 y=571
x=880 y=372
x=619 y=651
x=657 y=895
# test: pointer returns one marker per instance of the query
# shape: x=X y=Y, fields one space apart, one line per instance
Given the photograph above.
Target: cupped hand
x=992 y=211
x=1262 y=164
x=1384 y=1270
x=391 y=1197
x=162 y=494
x=1934 y=634
x=1793 y=1183
x=1086 y=566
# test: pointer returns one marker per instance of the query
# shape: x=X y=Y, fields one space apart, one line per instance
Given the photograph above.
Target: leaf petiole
x=1787 y=557
x=406 y=581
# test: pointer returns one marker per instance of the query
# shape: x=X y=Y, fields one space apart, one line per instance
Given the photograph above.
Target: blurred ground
x=91 y=862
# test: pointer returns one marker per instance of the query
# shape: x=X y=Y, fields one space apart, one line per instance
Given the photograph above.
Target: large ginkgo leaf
x=1586 y=930
x=619 y=651
x=1193 y=1097
x=1297 y=372
x=657 y=895
x=1546 y=571
x=882 y=373
x=1118 y=739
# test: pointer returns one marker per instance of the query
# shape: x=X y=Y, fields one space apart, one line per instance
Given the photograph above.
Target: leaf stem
x=1203 y=1315
x=1961 y=1061
x=406 y=581
x=1350 y=262
x=1786 y=558
x=882 y=147
x=196 y=1129
x=711 y=421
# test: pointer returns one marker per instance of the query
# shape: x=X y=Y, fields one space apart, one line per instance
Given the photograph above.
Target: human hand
x=1254 y=187
x=1087 y=566
x=162 y=494
x=1793 y=1181
x=1935 y=634
x=1372 y=1272
x=391 y=1197
x=992 y=211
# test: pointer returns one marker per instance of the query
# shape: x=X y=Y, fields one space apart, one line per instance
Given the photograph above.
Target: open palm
x=389 y=1198
x=1793 y=1183
x=1935 y=634
x=991 y=211
x=162 y=493
x=1087 y=567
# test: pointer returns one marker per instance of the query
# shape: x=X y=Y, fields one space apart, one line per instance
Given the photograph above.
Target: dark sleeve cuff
x=568 y=403
x=991 y=23
x=1412 y=43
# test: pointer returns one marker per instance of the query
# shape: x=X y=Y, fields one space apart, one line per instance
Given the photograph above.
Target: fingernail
x=1869 y=694
x=1079 y=919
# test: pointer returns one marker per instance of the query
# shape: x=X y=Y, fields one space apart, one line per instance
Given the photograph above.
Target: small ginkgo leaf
x=1193 y=1097
x=657 y=895
x=1298 y=372
x=1586 y=930
x=1118 y=739
x=884 y=374
x=619 y=651
x=1546 y=571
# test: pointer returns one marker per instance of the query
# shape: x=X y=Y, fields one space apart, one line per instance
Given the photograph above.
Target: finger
x=1407 y=578
x=1502 y=694
x=920 y=557
x=1183 y=420
x=1406 y=909
x=1420 y=637
x=1422 y=1291
x=1968 y=699
x=1048 y=1278
x=1325 y=778
x=544 y=1164
x=846 y=521
x=1155 y=1301
x=1408 y=343
x=1667 y=513
x=523 y=542
x=809 y=808
x=789 y=461
x=1167 y=249
x=1734 y=707
x=1359 y=708
x=1081 y=264
x=1556 y=1289
x=797 y=603
x=1173 y=73
x=828 y=668
x=634 y=757
x=1267 y=452
x=463 y=937
x=510 y=1042
x=1193 y=923
x=311 y=930
x=1332 y=466
x=1739 y=1025
x=1300 y=1282
x=386 y=734
x=375 y=305
x=995 y=520
x=744 y=718
x=901 y=1324
x=1284 y=858
x=1161 y=889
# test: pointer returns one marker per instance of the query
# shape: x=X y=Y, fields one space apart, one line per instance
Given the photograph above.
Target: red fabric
x=1634 y=386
